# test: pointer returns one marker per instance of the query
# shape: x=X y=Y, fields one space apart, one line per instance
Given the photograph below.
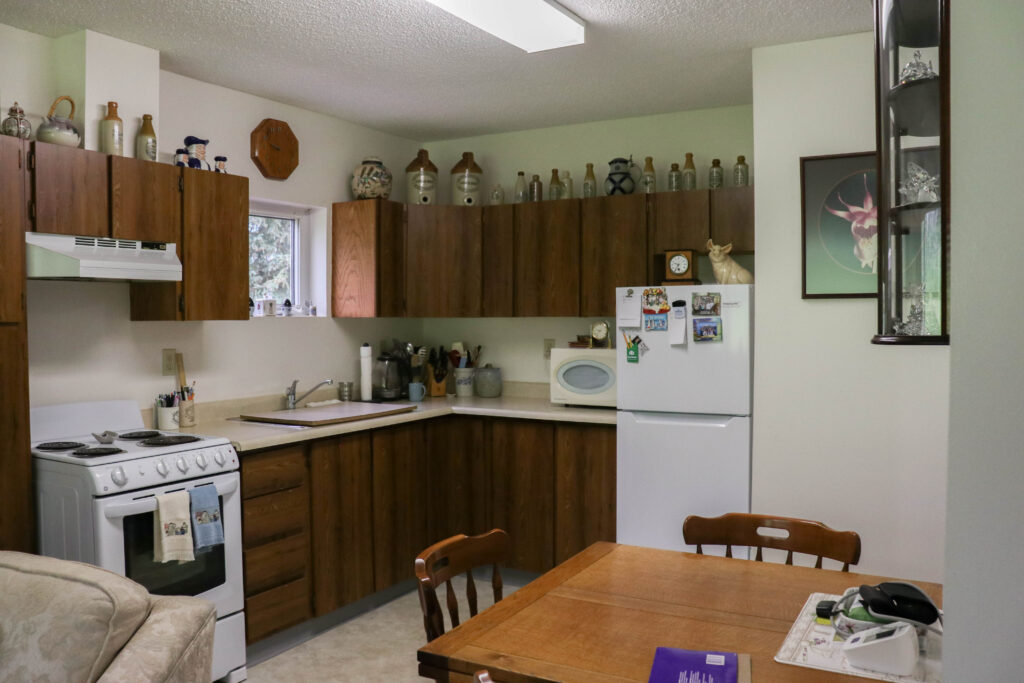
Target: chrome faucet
x=289 y=393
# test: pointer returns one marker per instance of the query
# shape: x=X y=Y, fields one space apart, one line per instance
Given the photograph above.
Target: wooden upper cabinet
x=70 y=191
x=145 y=200
x=677 y=220
x=443 y=261
x=368 y=264
x=498 y=261
x=732 y=218
x=547 y=258
x=13 y=225
x=215 y=260
x=613 y=238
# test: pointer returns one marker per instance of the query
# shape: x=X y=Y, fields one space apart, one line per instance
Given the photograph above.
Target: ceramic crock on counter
x=371 y=179
x=57 y=129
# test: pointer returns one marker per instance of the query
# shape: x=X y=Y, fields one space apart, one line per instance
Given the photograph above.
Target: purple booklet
x=672 y=665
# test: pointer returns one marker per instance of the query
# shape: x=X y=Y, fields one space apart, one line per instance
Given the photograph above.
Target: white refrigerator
x=684 y=409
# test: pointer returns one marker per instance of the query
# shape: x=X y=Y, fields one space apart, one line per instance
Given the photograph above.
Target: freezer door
x=671 y=466
x=712 y=377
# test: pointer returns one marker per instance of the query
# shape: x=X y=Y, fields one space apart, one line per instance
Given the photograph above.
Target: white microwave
x=583 y=377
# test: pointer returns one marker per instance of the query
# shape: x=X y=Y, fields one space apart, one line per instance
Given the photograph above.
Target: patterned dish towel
x=206 y=525
x=172 y=532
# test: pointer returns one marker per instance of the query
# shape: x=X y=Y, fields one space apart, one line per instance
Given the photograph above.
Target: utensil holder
x=166 y=419
x=187 y=413
x=464 y=382
x=436 y=388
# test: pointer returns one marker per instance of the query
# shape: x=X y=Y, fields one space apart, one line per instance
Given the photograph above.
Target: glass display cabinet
x=912 y=122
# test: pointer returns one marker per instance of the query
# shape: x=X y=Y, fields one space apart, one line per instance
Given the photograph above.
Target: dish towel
x=206 y=525
x=172 y=533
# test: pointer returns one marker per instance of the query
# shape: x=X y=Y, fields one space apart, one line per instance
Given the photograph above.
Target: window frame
x=300 y=276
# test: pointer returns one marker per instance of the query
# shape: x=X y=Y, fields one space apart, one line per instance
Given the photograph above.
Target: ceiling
x=410 y=69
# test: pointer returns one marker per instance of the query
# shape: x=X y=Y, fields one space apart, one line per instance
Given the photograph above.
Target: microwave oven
x=583 y=377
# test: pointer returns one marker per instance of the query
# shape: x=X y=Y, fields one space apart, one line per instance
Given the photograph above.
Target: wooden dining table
x=600 y=615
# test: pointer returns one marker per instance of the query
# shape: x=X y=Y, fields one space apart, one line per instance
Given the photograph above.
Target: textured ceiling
x=411 y=69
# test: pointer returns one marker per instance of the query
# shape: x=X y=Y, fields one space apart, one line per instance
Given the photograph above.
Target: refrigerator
x=684 y=372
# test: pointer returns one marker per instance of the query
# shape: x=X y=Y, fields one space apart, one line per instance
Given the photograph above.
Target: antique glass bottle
x=689 y=173
x=589 y=183
x=520 y=193
x=555 y=187
x=741 y=172
x=675 y=179
x=648 y=181
x=145 y=141
x=536 y=189
x=567 y=188
x=716 y=176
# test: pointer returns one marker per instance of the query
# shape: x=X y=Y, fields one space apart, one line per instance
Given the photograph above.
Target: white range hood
x=69 y=257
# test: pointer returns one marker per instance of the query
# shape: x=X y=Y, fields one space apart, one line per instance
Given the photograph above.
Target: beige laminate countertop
x=251 y=436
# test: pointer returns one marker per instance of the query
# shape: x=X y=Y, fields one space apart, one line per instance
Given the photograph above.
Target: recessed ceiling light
x=531 y=25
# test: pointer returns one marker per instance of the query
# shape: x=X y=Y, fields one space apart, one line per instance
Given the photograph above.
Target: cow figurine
x=727 y=271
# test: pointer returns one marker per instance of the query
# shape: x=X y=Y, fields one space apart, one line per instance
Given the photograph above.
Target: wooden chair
x=805 y=536
x=450 y=557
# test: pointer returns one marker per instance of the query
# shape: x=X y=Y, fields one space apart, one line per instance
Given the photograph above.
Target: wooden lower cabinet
x=523 y=490
x=342 y=474
x=399 y=501
x=276 y=540
x=584 y=487
x=459 y=491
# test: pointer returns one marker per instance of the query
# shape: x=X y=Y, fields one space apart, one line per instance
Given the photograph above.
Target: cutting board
x=333 y=414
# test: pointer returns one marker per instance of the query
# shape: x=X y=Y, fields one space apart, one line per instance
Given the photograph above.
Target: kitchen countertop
x=251 y=436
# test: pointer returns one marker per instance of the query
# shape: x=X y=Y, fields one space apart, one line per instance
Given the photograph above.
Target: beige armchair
x=63 y=622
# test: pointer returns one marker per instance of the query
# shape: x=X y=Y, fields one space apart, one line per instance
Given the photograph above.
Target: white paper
x=677 y=328
x=629 y=311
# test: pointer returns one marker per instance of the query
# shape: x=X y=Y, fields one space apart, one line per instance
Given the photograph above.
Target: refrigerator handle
x=684 y=419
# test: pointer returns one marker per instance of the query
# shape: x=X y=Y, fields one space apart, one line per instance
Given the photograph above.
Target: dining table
x=600 y=615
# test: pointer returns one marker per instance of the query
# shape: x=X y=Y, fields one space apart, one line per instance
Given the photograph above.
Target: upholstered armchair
x=63 y=622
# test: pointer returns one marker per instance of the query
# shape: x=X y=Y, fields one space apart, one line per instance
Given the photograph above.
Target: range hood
x=69 y=257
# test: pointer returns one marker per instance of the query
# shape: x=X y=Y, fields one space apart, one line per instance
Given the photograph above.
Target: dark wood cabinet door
x=368 y=264
x=443 y=256
x=70 y=188
x=215 y=261
x=584 y=487
x=498 y=261
x=17 y=517
x=613 y=238
x=677 y=220
x=547 y=258
x=399 y=502
x=13 y=225
x=342 y=505
x=459 y=478
x=732 y=218
x=145 y=200
x=522 y=485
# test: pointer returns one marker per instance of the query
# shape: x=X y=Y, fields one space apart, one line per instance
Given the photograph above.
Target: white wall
x=27 y=78
x=984 y=553
x=845 y=432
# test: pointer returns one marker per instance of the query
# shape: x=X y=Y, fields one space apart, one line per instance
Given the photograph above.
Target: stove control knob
x=218 y=456
x=119 y=477
x=182 y=465
x=161 y=468
x=202 y=461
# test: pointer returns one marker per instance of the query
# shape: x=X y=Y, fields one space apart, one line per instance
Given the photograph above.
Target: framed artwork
x=840 y=225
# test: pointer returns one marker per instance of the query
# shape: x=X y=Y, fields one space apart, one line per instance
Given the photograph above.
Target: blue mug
x=417 y=391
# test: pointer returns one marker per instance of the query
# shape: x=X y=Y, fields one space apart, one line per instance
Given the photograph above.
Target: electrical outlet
x=167 y=364
x=548 y=345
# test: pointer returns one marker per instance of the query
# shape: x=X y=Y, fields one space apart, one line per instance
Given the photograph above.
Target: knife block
x=434 y=387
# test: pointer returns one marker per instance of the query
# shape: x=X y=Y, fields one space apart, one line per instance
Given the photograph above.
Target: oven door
x=124 y=536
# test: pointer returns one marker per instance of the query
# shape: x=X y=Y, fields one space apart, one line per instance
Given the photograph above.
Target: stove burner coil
x=169 y=440
x=59 y=446
x=144 y=434
x=93 y=452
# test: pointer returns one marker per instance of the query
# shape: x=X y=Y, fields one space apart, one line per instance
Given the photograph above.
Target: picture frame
x=839 y=222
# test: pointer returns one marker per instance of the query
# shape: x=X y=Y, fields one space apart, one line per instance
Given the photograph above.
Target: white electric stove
x=98 y=471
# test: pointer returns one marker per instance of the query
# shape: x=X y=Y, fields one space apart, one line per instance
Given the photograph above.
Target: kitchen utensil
x=487 y=381
x=57 y=129
x=464 y=382
x=454 y=358
x=386 y=378
x=166 y=418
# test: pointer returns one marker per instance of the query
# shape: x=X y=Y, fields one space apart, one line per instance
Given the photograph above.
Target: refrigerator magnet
x=707 y=330
x=707 y=304
x=655 y=309
x=677 y=324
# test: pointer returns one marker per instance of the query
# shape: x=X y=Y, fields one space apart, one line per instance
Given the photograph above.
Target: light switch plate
x=167 y=363
x=548 y=345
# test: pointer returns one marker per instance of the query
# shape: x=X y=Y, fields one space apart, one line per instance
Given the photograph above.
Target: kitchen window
x=273 y=240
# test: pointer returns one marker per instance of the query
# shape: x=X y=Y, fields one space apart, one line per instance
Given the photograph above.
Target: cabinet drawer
x=274 y=516
x=277 y=470
x=276 y=563
x=277 y=609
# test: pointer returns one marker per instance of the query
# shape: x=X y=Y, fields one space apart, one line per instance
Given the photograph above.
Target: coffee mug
x=417 y=391
x=166 y=418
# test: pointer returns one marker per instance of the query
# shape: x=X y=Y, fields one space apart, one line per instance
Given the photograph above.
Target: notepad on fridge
x=672 y=665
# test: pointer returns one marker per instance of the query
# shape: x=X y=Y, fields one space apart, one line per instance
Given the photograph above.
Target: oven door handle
x=138 y=507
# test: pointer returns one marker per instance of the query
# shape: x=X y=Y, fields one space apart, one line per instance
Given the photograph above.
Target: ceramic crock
x=371 y=179
x=16 y=125
x=619 y=180
x=57 y=129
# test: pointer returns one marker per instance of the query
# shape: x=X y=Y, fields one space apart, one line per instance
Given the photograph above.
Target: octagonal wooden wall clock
x=274 y=149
